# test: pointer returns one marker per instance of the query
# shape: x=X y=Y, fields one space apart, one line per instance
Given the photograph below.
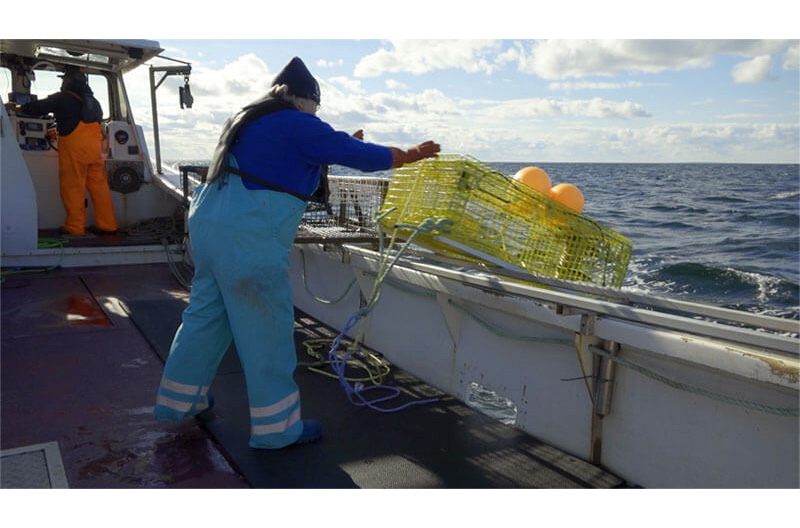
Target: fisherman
x=80 y=165
x=242 y=223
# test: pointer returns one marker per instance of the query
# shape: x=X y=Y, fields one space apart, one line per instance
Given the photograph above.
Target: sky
x=501 y=81
x=551 y=100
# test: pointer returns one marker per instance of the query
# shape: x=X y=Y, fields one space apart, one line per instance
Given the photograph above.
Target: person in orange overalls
x=80 y=165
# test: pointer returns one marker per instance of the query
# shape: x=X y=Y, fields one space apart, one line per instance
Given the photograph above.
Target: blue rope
x=355 y=392
x=338 y=364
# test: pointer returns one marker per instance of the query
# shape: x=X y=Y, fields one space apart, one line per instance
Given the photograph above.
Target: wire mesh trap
x=502 y=221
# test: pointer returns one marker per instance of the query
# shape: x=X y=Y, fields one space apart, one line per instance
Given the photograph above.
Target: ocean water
x=720 y=234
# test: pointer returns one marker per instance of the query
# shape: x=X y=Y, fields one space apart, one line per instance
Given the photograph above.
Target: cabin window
x=47 y=82
x=5 y=84
x=122 y=108
x=99 y=85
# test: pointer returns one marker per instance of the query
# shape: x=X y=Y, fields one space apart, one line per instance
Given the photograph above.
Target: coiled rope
x=338 y=361
x=376 y=369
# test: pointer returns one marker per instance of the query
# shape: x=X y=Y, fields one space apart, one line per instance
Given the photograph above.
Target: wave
x=722 y=286
x=725 y=199
x=678 y=209
x=784 y=195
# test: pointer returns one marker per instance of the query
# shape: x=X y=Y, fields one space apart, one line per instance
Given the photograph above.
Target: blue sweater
x=290 y=147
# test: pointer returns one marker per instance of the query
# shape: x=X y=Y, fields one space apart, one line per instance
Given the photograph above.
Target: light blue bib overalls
x=244 y=275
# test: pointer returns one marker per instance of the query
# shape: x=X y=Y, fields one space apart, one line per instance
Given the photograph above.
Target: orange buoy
x=534 y=177
x=569 y=195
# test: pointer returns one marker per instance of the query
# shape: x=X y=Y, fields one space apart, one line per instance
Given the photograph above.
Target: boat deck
x=82 y=354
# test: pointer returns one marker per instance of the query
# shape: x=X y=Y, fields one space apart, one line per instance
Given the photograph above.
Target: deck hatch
x=32 y=467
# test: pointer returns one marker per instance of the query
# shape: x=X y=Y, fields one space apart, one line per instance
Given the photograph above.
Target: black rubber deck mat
x=157 y=320
x=445 y=444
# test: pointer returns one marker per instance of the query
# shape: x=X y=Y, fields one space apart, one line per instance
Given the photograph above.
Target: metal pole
x=155 y=119
x=605 y=381
x=604 y=371
x=168 y=70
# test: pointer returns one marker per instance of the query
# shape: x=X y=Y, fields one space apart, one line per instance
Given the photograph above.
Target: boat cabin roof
x=106 y=55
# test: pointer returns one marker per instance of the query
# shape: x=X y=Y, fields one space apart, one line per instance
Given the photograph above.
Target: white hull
x=453 y=329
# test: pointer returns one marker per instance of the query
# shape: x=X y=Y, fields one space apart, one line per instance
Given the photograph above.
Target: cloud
x=510 y=55
x=428 y=103
x=352 y=85
x=523 y=129
x=685 y=142
x=392 y=84
x=595 y=108
x=563 y=59
x=755 y=70
x=390 y=118
x=753 y=102
x=791 y=60
x=586 y=85
x=322 y=63
x=422 y=56
x=742 y=117
x=218 y=94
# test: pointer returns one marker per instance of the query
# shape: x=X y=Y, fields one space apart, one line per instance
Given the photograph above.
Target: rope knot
x=429 y=225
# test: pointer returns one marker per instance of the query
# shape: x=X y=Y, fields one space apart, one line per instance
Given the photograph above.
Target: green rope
x=398 y=286
x=486 y=325
x=173 y=267
x=694 y=390
x=387 y=261
x=42 y=243
x=308 y=290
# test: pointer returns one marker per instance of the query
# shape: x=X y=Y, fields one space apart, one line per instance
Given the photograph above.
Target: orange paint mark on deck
x=83 y=310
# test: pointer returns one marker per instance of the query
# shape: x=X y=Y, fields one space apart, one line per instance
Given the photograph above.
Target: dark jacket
x=75 y=102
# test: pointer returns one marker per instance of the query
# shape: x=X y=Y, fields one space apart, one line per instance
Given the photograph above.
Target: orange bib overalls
x=80 y=167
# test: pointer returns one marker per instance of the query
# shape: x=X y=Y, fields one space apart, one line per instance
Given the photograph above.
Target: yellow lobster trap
x=501 y=221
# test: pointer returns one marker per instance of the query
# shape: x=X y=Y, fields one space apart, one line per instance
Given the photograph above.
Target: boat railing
x=767 y=332
x=632 y=298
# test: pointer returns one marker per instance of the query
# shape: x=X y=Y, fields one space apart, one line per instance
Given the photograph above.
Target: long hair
x=281 y=91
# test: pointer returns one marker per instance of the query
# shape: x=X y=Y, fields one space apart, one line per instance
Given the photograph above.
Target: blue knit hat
x=299 y=80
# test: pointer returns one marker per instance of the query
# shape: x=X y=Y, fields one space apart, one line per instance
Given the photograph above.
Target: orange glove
x=359 y=134
x=429 y=149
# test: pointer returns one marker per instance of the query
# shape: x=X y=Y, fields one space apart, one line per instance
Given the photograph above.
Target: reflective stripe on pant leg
x=180 y=398
x=276 y=419
x=200 y=342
